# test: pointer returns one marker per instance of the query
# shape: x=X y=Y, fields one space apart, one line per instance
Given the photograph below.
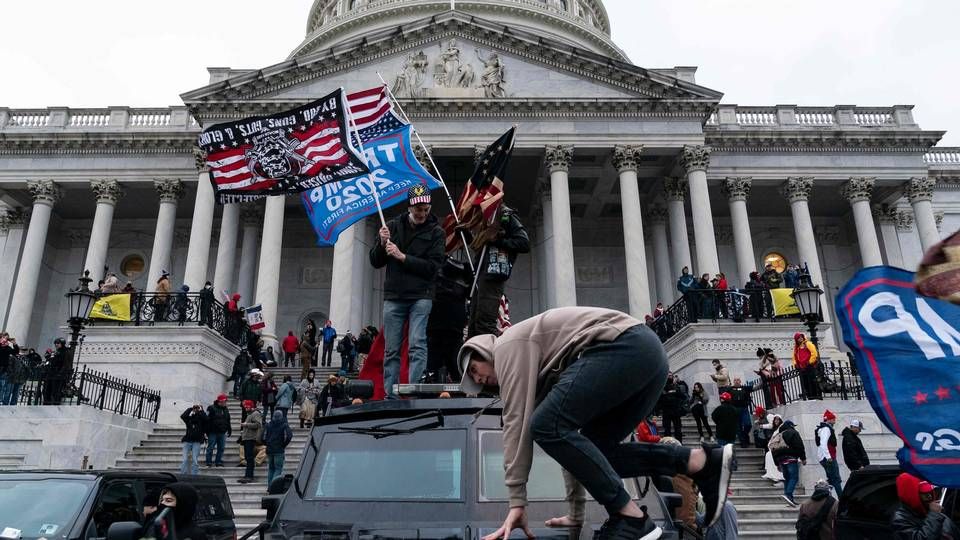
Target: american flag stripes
x=373 y=113
x=503 y=315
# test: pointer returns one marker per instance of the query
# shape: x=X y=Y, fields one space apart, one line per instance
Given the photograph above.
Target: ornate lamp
x=79 y=302
x=808 y=301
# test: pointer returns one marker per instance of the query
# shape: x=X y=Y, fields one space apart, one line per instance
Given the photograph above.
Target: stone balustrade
x=792 y=117
x=943 y=157
x=107 y=119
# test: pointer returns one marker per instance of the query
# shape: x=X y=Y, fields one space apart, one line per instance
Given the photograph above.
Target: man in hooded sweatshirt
x=920 y=516
x=182 y=499
x=411 y=247
x=196 y=421
x=805 y=358
x=276 y=436
x=549 y=370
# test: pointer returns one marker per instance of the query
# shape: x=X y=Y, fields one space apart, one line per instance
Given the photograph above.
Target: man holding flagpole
x=410 y=246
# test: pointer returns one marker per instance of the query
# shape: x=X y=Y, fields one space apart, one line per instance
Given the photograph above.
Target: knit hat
x=248 y=404
x=725 y=396
x=418 y=194
x=222 y=397
x=828 y=415
x=759 y=411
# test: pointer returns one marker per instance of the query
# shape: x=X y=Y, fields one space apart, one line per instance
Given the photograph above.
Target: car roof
x=88 y=474
x=407 y=407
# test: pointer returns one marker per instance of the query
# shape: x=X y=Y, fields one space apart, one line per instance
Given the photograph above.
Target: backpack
x=808 y=528
x=776 y=442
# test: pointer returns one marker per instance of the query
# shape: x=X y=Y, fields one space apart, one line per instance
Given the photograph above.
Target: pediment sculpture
x=453 y=74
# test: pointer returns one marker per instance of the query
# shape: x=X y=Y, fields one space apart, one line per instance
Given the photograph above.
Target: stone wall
x=186 y=364
x=47 y=437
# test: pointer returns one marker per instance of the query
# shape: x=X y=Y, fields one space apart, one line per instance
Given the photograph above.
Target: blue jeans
x=12 y=393
x=3 y=389
x=274 y=467
x=745 y=427
x=832 y=468
x=395 y=313
x=191 y=451
x=584 y=432
x=791 y=475
x=219 y=440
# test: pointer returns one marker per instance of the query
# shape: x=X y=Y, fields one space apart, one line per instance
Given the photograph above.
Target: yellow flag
x=783 y=303
x=114 y=307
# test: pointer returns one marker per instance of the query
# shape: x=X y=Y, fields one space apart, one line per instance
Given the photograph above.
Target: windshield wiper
x=386 y=430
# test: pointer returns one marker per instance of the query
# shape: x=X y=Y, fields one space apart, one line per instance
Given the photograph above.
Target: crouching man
x=550 y=370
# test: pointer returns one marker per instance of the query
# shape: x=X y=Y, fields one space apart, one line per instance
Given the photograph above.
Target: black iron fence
x=824 y=380
x=708 y=305
x=42 y=385
x=149 y=309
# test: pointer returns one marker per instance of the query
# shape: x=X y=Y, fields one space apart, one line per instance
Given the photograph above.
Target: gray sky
x=758 y=52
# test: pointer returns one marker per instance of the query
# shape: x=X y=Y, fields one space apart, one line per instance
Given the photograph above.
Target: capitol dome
x=580 y=23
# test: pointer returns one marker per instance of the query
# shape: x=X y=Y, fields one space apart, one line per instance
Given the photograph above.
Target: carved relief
x=44 y=191
x=107 y=191
x=858 y=188
x=904 y=221
x=15 y=217
x=558 y=158
x=409 y=82
x=695 y=158
x=626 y=158
x=938 y=218
x=798 y=188
x=594 y=275
x=737 y=188
x=449 y=71
x=170 y=190
x=315 y=277
x=920 y=189
x=492 y=77
x=453 y=74
x=675 y=188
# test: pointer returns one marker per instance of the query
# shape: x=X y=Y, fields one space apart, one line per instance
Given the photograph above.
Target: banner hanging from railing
x=113 y=307
x=907 y=349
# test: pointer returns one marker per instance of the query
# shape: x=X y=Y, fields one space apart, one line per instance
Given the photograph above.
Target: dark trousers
x=596 y=403
x=745 y=427
x=832 y=468
x=289 y=359
x=250 y=456
x=327 y=356
x=672 y=426
x=485 y=308
x=808 y=382
x=700 y=417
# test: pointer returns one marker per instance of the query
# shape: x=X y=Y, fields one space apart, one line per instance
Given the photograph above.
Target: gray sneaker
x=620 y=527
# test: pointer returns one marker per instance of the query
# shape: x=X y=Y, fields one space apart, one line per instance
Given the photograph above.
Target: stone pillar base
x=186 y=364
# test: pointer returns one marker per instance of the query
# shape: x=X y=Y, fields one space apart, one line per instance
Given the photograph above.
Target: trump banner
x=255 y=317
x=907 y=350
x=394 y=168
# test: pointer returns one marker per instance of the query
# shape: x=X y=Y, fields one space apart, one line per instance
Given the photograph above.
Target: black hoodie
x=423 y=245
x=853 y=453
x=183 y=513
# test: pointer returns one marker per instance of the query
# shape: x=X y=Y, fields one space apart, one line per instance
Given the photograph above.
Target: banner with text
x=907 y=350
x=334 y=207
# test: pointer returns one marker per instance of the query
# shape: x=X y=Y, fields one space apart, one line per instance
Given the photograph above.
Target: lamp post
x=79 y=302
x=808 y=301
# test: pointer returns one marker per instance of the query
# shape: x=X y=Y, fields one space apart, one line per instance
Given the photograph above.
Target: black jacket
x=795 y=448
x=909 y=525
x=512 y=237
x=187 y=499
x=195 y=421
x=277 y=435
x=853 y=453
x=672 y=400
x=727 y=419
x=423 y=245
x=8 y=352
x=218 y=420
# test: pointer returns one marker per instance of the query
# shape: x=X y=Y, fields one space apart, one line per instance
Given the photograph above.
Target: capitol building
x=622 y=175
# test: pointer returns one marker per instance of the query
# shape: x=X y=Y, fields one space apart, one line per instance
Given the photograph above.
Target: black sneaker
x=714 y=480
x=620 y=527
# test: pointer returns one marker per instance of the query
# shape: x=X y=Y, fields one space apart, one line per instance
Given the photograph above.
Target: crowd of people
x=29 y=378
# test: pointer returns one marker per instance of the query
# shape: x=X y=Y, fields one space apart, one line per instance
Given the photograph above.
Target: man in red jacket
x=290 y=346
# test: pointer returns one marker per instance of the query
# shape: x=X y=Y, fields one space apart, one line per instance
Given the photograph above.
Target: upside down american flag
x=295 y=150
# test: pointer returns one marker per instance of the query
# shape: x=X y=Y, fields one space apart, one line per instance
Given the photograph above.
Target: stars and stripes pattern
x=503 y=315
x=373 y=113
x=482 y=196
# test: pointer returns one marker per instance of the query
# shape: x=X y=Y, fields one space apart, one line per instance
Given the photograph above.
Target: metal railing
x=825 y=380
x=150 y=309
x=45 y=385
x=709 y=305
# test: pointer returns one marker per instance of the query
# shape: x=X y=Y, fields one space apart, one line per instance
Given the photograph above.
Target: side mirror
x=270 y=503
x=280 y=485
x=125 y=530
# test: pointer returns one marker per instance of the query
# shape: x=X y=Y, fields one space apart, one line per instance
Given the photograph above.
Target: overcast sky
x=758 y=52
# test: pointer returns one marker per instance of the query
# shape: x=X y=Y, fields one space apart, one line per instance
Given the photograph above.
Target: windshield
x=427 y=465
x=545 y=482
x=41 y=508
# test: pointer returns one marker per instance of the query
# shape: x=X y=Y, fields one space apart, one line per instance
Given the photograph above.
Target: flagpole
x=353 y=124
x=443 y=184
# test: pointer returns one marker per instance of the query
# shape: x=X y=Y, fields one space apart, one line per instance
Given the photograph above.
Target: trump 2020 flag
x=907 y=350
x=287 y=152
x=255 y=317
x=394 y=168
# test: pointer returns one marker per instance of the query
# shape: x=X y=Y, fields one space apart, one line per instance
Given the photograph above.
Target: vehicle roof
x=90 y=474
x=409 y=407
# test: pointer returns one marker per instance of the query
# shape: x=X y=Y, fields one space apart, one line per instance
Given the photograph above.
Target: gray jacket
x=253 y=426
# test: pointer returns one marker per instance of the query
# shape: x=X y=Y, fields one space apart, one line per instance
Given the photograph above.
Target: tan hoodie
x=528 y=359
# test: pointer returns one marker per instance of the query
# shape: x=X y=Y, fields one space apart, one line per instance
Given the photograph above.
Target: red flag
x=372 y=369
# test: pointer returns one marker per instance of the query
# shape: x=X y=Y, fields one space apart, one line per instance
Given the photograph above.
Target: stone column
x=227 y=248
x=343 y=276
x=170 y=191
x=201 y=228
x=250 y=216
x=661 y=255
x=625 y=159
x=558 y=160
x=108 y=192
x=888 y=218
x=857 y=190
x=268 y=282
x=675 y=189
x=13 y=221
x=920 y=192
x=797 y=190
x=549 y=282
x=696 y=159
x=737 y=189
x=45 y=194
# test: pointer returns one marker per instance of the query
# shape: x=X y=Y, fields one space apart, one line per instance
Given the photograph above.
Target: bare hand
x=516 y=519
x=384 y=235
x=934 y=506
x=565 y=521
x=394 y=251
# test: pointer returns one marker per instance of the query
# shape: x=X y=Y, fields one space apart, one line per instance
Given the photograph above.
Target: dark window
x=874 y=502
x=427 y=465
x=118 y=502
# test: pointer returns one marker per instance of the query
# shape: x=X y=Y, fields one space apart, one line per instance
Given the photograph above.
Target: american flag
x=373 y=113
x=483 y=194
x=503 y=315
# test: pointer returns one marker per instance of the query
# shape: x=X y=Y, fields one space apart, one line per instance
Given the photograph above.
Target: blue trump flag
x=334 y=207
x=907 y=350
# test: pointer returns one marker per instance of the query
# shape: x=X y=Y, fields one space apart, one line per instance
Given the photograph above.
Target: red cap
x=828 y=415
x=247 y=404
x=222 y=397
x=725 y=396
x=759 y=411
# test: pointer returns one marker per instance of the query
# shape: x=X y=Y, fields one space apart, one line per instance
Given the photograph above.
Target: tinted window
x=545 y=482
x=214 y=504
x=41 y=508
x=117 y=502
x=425 y=465
x=874 y=502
